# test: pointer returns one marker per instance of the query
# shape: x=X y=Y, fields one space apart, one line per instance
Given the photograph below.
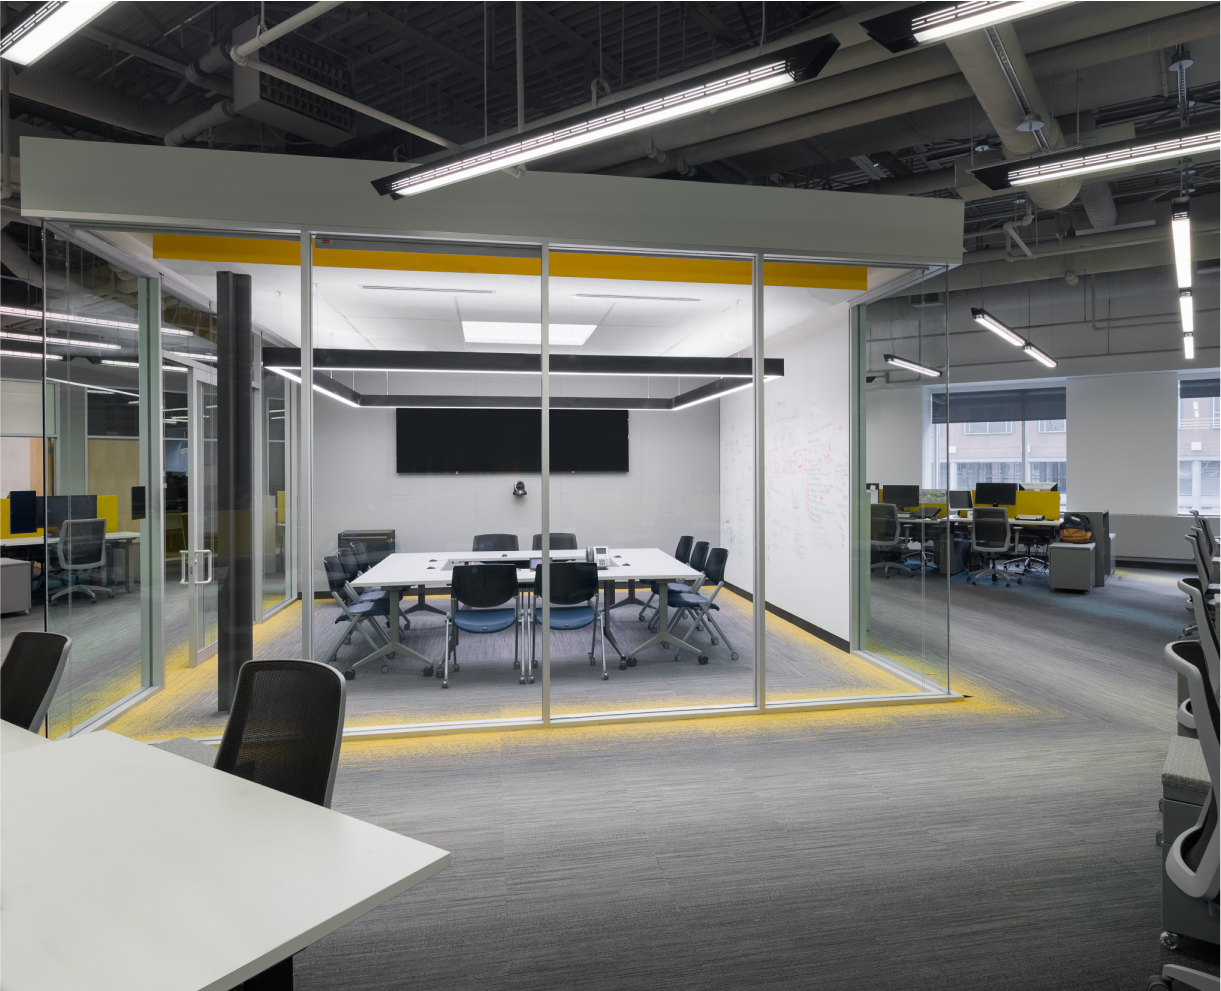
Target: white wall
x=1123 y=443
x=893 y=436
x=807 y=431
x=669 y=490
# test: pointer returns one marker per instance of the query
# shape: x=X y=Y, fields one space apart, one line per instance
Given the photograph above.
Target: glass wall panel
x=90 y=587
x=810 y=503
x=276 y=469
x=910 y=547
x=652 y=473
x=426 y=448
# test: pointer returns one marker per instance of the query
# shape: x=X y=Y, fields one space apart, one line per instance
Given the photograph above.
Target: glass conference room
x=424 y=432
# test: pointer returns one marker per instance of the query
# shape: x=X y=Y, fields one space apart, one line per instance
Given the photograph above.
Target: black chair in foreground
x=82 y=548
x=699 y=607
x=284 y=730
x=559 y=542
x=574 y=584
x=481 y=588
x=29 y=676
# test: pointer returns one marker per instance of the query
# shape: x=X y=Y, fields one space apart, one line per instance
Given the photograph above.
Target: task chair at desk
x=991 y=538
x=886 y=537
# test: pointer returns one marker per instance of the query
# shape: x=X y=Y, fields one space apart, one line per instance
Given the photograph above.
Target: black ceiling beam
x=566 y=34
x=418 y=38
x=714 y=24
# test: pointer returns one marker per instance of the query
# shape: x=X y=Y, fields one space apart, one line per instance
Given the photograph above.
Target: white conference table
x=14 y=738
x=125 y=536
x=127 y=867
x=434 y=569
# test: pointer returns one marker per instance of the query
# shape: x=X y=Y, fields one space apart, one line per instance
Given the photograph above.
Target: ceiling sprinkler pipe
x=1009 y=226
x=215 y=116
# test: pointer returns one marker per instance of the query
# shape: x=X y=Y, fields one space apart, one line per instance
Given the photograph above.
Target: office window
x=1199 y=446
x=1051 y=427
x=994 y=427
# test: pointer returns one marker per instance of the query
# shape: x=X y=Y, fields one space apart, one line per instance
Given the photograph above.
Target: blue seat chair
x=682 y=554
x=699 y=608
x=697 y=560
x=574 y=586
x=483 y=589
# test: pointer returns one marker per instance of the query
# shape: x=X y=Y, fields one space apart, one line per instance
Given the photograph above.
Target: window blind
x=1199 y=388
x=1000 y=404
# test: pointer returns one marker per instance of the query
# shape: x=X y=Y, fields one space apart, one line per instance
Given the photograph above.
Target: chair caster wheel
x=346 y=641
x=532 y=679
x=666 y=644
x=456 y=668
x=605 y=676
x=517 y=665
x=623 y=665
x=427 y=672
x=715 y=641
x=533 y=664
x=1157 y=983
x=445 y=684
x=391 y=656
x=678 y=656
x=521 y=680
x=703 y=658
x=441 y=674
x=1170 y=940
x=349 y=675
x=631 y=662
x=385 y=669
x=733 y=657
x=591 y=660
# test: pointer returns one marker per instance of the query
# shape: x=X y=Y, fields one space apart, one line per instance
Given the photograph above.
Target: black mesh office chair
x=700 y=607
x=481 y=588
x=990 y=537
x=29 y=676
x=682 y=554
x=82 y=548
x=886 y=538
x=574 y=584
x=494 y=542
x=559 y=542
x=284 y=731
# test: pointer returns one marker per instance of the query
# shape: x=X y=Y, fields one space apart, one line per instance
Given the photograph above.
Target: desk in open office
x=130 y=868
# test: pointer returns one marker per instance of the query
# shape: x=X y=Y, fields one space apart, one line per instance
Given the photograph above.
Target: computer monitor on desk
x=996 y=493
x=902 y=496
x=1042 y=486
x=960 y=499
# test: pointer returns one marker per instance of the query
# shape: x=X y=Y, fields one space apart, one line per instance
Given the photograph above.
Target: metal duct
x=215 y=116
x=78 y=95
x=18 y=262
x=994 y=64
x=1099 y=205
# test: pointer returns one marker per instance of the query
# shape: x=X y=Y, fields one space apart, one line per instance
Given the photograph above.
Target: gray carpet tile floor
x=1002 y=842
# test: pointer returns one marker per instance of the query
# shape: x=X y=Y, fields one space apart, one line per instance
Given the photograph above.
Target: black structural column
x=235 y=478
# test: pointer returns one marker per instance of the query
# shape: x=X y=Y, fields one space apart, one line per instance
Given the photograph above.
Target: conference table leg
x=396 y=645
x=631 y=599
x=664 y=634
x=421 y=605
x=608 y=595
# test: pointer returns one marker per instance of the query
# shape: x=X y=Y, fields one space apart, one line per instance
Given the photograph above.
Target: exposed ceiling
x=905 y=124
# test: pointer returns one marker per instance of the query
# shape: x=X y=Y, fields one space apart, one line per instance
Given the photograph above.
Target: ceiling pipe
x=994 y=64
x=215 y=116
x=241 y=53
x=1099 y=205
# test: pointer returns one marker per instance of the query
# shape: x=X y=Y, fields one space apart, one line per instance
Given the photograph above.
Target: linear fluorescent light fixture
x=1180 y=231
x=911 y=366
x=62 y=342
x=752 y=79
x=317 y=388
x=1189 y=347
x=46 y=27
x=1072 y=164
x=1186 y=311
x=481 y=292
x=30 y=354
x=651 y=299
x=501 y=332
x=136 y=364
x=989 y=322
x=20 y=311
x=924 y=23
x=1039 y=356
x=198 y=356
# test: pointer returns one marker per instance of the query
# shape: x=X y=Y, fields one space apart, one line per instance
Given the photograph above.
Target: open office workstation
x=698 y=509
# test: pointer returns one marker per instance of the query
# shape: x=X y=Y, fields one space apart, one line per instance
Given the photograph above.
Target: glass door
x=204 y=524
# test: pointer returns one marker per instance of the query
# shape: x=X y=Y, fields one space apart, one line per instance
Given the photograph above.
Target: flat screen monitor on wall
x=508 y=441
x=996 y=493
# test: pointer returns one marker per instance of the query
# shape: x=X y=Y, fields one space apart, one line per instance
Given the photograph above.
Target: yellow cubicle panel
x=108 y=509
x=1045 y=504
x=280 y=506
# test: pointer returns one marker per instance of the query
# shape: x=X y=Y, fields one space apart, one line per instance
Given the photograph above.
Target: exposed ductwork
x=18 y=262
x=994 y=64
x=1099 y=205
x=215 y=116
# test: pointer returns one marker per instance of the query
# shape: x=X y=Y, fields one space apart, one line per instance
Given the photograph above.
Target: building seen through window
x=1199 y=447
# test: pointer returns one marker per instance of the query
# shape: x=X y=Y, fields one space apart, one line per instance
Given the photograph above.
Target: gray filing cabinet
x=1100 y=524
x=1070 y=566
x=1184 y=787
x=14 y=585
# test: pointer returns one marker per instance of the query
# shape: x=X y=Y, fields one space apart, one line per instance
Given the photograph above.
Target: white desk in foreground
x=126 y=867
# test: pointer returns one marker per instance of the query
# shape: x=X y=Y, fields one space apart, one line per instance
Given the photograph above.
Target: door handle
x=182 y=555
x=208 y=559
